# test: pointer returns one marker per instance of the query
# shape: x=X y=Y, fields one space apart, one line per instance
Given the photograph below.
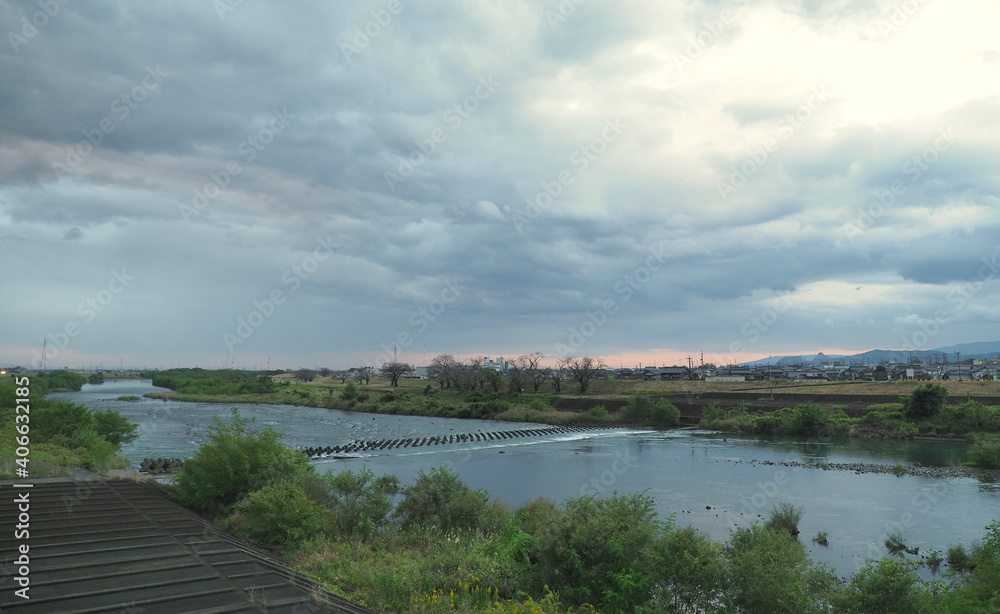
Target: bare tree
x=306 y=375
x=474 y=373
x=343 y=376
x=444 y=370
x=362 y=374
x=395 y=370
x=582 y=370
x=324 y=372
x=558 y=374
x=532 y=372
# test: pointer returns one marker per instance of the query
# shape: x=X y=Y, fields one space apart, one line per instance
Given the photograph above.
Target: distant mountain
x=979 y=350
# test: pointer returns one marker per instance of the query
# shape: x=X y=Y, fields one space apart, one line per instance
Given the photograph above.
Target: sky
x=331 y=184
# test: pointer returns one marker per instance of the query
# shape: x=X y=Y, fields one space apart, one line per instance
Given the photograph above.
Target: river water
x=711 y=481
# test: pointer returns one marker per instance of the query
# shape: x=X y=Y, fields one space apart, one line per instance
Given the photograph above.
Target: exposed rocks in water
x=988 y=475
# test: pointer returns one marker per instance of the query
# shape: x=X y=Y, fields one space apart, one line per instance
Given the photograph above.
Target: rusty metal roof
x=121 y=546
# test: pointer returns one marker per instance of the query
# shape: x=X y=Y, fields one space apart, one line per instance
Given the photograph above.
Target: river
x=711 y=481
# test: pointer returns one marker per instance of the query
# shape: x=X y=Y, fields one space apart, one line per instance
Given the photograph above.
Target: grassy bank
x=56 y=434
x=438 y=546
x=922 y=413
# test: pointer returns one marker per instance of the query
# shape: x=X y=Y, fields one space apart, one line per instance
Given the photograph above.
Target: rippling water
x=713 y=482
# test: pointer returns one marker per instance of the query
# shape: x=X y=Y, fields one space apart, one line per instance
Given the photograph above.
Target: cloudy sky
x=319 y=183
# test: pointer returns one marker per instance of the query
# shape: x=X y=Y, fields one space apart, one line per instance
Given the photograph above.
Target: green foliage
x=279 y=513
x=784 y=519
x=59 y=380
x=767 y=572
x=96 y=378
x=894 y=543
x=822 y=538
x=439 y=499
x=359 y=502
x=350 y=392
x=665 y=414
x=236 y=460
x=985 y=453
x=925 y=402
x=808 y=419
x=597 y=411
x=114 y=428
x=888 y=586
x=958 y=559
x=689 y=571
x=583 y=553
x=638 y=408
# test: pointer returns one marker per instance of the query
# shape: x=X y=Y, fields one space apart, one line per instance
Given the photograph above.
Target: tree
x=306 y=375
x=474 y=373
x=324 y=372
x=531 y=368
x=444 y=370
x=880 y=374
x=395 y=370
x=557 y=375
x=495 y=379
x=925 y=402
x=582 y=370
x=342 y=376
x=362 y=374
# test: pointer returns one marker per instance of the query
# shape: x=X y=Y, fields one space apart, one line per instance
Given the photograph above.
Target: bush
x=638 y=408
x=925 y=402
x=350 y=392
x=666 y=414
x=599 y=550
x=598 y=412
x=887 y=586
x=236 y=460
x=784 y=519
x=690 y=572
x=360 y=503
x=767 y=572
x=279 y=513
x=985 y=453
x=807 y=419
x=439 y=499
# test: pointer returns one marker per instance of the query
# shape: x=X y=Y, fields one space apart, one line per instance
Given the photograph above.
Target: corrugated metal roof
x=121 y=546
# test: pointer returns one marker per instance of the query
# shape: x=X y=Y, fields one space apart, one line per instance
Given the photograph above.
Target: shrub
x=439 y=499
x=958 y=559
x=539 y=405
x=925 y=402
x=784 y=519
x=887 y=586
x=279 y=513
x=598 y=412
x=822 y=539
x=599 y=550
x=236 y=460
x=350 y=392
x=360 y=503
x=767 y=572
x=690 y=572
x=807 y=419
x=639 y=408
x=985 y=453
x=666 y=414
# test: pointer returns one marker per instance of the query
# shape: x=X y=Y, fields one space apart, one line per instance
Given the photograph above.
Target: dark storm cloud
x=213 y=154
